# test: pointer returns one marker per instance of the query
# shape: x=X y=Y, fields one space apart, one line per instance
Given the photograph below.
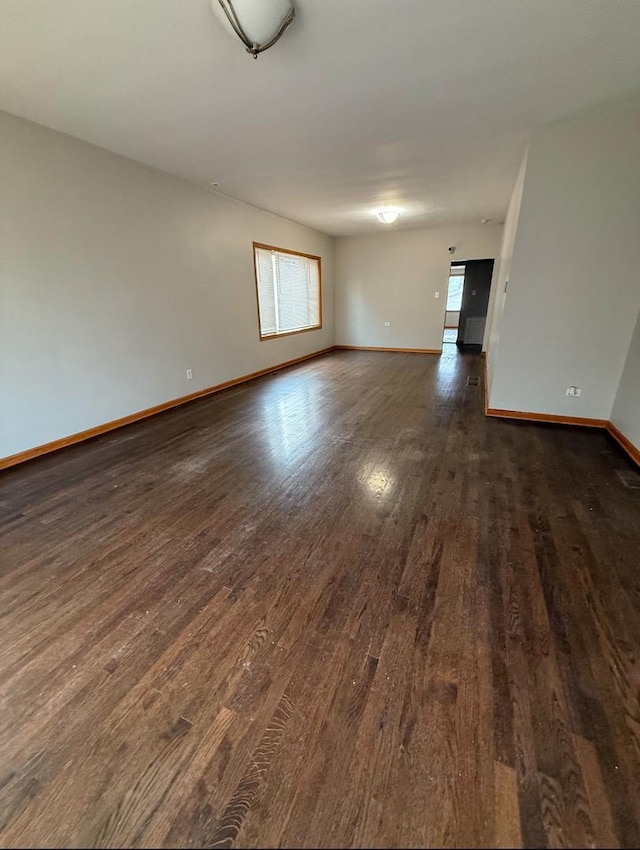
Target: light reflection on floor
x=292 y=425
x=448 y=364
x=379 y=481
x=290 y=412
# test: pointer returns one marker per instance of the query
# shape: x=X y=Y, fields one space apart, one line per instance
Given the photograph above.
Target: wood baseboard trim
x=22 y=457
x=624 y=442
x=81 y=436
x=397 y=350
x=485 y=391
x=554 y=418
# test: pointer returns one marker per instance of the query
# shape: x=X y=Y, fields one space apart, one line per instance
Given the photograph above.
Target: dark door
x=475 y=301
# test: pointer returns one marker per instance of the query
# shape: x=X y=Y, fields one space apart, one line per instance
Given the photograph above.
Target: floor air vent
x=473 y=381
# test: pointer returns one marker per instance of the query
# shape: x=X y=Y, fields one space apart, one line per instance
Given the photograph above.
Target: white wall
x=502 y=271
x=116 y=278
x=392 y=277
x=626 y=407
x=573 y=293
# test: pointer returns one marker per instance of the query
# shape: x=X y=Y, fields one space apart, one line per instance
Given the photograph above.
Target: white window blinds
x=288 y=291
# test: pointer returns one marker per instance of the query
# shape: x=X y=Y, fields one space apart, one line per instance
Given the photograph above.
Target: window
x=288 y=285
x=456 y=285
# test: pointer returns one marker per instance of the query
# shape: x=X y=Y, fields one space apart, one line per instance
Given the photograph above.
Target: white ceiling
x=424 y=104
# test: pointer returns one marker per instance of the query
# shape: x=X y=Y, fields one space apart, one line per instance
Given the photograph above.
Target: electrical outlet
x=436 y=295
x=387 y=324
x=189 y=374
x=574 y=392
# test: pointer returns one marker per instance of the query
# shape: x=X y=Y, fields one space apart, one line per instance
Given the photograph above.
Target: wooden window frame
x=264 y=337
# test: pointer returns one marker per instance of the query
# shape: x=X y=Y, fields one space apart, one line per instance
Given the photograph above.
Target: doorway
x=467 y=303
x=454 y=303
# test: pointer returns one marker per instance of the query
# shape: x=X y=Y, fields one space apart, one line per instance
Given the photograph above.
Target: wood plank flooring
x=334 y=607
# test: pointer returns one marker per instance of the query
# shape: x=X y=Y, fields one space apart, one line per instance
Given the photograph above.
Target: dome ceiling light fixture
x=387 y=215
x=257 y=23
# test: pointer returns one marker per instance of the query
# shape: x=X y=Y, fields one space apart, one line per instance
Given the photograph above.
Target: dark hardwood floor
x=334 y=607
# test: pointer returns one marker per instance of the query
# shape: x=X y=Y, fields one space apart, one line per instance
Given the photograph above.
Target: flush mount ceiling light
x=257 y=23
x=387 y=215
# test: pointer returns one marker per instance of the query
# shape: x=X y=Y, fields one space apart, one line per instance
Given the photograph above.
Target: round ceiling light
x=257 y=23
x=387 y=215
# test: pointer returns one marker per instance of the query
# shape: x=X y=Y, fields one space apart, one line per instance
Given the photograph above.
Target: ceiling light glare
x=387 y=215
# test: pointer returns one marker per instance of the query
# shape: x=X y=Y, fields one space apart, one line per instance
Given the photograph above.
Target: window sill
x=290 y=333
